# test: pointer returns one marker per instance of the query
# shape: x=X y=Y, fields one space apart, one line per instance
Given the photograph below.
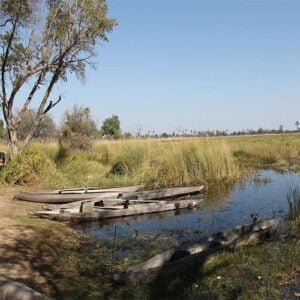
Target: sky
x=195 y=64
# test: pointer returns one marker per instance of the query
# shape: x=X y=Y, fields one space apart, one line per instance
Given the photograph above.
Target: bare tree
x=41 y=43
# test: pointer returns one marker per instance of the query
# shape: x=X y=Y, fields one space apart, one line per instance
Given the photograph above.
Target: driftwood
x=66 y=196
x=115 y=211
x=163 y=193
x=182 y=259
x=12 y=290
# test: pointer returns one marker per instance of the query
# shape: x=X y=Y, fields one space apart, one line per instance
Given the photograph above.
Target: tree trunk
x=13 y=139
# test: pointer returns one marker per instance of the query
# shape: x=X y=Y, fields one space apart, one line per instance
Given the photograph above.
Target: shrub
x=31 y=167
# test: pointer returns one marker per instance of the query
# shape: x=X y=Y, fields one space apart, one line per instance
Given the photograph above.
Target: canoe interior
x=182 y=259
x=98 y=213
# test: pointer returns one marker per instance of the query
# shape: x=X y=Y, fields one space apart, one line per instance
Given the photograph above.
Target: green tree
x=297 y=124
x=78 y=129
x=42 y=42
x=80 y=120
x=111 y=127
x=46 y=128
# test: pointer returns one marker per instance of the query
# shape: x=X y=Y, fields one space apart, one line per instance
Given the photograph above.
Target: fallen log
x=10 y=289
x=182 y=259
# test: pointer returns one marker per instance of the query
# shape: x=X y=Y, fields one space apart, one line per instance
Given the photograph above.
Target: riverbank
x=55 y=260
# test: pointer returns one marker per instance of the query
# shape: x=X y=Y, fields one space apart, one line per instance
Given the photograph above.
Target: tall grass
x=293 y=198
x=156 y=163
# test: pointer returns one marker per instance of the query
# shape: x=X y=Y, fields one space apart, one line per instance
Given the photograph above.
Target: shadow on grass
x=47 y=259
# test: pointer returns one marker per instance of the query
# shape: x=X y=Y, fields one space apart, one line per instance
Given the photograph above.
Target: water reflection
x=263 y=194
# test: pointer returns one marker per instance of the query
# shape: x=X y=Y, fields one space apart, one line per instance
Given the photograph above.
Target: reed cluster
x=153 y=162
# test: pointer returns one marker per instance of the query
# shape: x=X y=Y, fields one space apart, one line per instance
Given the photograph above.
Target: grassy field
x=156 y=163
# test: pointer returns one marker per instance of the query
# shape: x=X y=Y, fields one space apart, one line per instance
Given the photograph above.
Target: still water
x=263 y=194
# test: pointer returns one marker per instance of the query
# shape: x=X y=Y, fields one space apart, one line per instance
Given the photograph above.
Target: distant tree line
x=78 y=129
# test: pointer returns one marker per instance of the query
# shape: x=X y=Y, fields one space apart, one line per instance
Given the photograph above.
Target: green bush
x=31 y=167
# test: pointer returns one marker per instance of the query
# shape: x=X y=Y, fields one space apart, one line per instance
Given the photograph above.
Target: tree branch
x=5 y=23
x=3 y=67
x=51 y=105
x=42 y=110
x=29 y=98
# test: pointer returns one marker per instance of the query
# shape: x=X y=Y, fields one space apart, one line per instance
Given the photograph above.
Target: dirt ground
x=13 y=236
x=10 y=208
x=25 y=254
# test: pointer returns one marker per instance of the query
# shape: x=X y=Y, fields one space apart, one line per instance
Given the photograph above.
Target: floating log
x=164 y=193
x=117 y=211
x=10 y=289
x=71 y=195
x=182 y=259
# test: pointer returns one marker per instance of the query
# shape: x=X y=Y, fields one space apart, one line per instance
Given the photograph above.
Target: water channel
x=263 y=194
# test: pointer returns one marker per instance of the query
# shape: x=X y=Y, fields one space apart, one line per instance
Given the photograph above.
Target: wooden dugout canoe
x=10 y=289
x=176 y=261
x=164 y=193
x=77 y=196
x=71 y=195
x=99 y=213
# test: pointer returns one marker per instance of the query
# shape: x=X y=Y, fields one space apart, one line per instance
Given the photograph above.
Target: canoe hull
x=164 y=193
x=66 y=196
x=166 y=263
x=102 y=213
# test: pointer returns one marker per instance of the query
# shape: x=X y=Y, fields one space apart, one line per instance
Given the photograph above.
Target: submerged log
x=182 y=259
x=10 y=289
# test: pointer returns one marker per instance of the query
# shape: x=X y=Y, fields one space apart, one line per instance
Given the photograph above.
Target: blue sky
x=196 y=64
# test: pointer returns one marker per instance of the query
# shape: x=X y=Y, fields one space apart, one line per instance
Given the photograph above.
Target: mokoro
x=10 y=289
x=71 y=195
x=183 y=259
x=98 y=213
x=186 y=193
x=164 y=193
